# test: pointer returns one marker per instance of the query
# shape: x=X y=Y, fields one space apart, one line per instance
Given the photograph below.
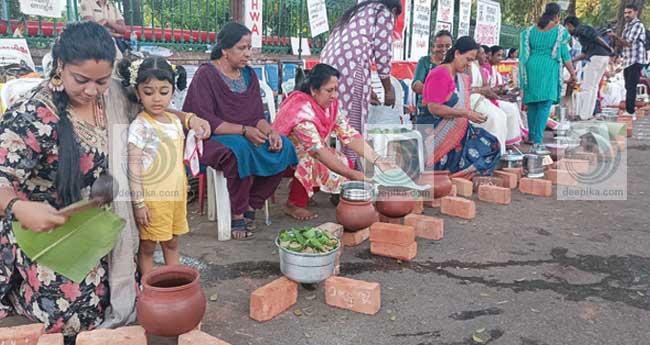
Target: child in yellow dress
x=156 y=170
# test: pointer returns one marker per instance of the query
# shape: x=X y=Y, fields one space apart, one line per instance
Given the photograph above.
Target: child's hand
x=142 y=216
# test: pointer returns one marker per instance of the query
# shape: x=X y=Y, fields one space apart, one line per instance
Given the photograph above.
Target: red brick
x=458 y=207
x=587 y=156
x=494 y=194
x=133 y=335
x=406 y=253
x=419 y=206
x=397 y=234
x=518 y=171
x=272 y=299
x=356 y=295
x=332 y=228
x=431 y=228
x=537 y=187
x=199 y=338
x=488 y=180
x=464 y=187
x=353 y=239
x=51 y=339
x=390 y=220
x=509 y=179
x=560 y=177
x=25 y=334
x=435 y=203
x=579 y=166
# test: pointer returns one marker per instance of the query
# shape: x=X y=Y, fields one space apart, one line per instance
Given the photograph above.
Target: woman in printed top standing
x=362 y=36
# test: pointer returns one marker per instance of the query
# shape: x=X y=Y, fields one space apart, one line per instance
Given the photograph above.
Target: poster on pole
x=401 y=32
x=465 y=13
x=421 y=29
x=14 y=51
x=488 y=22
x=445 y=16
x=253 y=21
x=45 y=8
x=317 y=17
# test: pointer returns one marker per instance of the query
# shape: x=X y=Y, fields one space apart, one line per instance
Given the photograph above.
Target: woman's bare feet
x=299 y=213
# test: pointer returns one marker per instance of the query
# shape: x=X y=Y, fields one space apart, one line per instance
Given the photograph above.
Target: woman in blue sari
x=453 y=143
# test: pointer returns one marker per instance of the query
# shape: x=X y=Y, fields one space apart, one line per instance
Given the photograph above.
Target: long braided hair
x=79 y=42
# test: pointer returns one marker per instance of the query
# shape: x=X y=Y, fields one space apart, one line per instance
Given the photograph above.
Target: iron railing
x=192 y=24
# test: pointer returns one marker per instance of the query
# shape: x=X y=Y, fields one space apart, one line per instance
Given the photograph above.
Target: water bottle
x=134 y=41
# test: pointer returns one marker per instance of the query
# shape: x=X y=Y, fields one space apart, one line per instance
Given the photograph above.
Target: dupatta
x=301 y=107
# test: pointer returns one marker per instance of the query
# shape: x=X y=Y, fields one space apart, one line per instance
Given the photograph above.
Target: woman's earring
x=56 y=82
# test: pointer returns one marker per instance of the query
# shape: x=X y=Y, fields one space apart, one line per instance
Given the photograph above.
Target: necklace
x=230 y=75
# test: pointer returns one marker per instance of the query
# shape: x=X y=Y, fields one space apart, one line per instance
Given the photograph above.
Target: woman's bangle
x=9 y=212
x=243 y=130
x=188 y=118
x=376 y=159
x=138 y=204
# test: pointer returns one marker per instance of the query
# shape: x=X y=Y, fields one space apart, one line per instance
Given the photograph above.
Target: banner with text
x=317 y=17
x=15 y=51
x=401 y=32
x=465 y=13
x=253 y=21
x=445 y=16
x=421 y=29
x=488 y=22
x=45 y=8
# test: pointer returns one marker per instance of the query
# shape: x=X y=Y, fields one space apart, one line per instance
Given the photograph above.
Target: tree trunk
x=136 y=14
x=572 y=8
x=620 y=20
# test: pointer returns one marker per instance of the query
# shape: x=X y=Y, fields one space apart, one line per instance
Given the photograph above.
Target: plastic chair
x=15 y=88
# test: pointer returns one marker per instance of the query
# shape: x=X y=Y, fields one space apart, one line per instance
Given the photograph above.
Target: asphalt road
x=537 y=272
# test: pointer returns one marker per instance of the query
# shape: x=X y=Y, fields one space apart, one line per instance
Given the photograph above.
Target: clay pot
x=439 y=180
x=355 y=215
x=395 y=202
x=171 y=302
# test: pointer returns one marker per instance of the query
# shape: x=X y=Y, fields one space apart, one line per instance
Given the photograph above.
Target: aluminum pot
x=357 y=191
x=533 y=166
x=511 y=160
x=307 y=268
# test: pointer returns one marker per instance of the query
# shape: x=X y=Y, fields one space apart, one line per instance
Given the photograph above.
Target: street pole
x=302 y=2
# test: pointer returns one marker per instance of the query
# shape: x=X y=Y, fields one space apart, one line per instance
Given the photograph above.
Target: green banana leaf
x=76 y=247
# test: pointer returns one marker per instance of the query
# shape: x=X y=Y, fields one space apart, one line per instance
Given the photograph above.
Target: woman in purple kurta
x=251 y=154
x=362 y=36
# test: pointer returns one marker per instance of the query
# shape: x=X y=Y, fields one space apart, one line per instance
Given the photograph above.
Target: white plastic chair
x=15 y=88
x=217 y=185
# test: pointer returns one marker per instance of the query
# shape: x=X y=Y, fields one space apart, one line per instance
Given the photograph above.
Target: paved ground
x=536 y=272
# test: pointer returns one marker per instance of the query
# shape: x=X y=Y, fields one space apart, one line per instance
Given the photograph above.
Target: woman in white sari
x=503 y=125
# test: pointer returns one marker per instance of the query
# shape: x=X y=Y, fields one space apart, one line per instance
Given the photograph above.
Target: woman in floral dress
x=362 y=36
x=308 y=117
x=53 y=146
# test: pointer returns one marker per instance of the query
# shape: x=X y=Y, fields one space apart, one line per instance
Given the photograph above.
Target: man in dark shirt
x=596 y=52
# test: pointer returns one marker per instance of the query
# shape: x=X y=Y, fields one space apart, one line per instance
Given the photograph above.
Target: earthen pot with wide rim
x=438 y=180
x=171 y=302
x=395 y=202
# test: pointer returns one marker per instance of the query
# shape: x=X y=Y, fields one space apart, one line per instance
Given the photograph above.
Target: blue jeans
x=538 y=113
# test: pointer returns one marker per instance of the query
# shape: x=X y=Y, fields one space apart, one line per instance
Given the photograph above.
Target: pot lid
x=512 y=157
x=396 y=178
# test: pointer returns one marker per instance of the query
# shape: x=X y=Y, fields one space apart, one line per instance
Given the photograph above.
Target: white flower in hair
x=133 y=71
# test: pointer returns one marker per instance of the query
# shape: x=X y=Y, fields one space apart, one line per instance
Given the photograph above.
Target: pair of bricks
x=279 y=295
x=393 y=240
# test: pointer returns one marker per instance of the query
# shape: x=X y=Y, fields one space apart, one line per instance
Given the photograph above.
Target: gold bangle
x=188 y=118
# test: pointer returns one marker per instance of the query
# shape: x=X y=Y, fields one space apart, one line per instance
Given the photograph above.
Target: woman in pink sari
x=309 y=116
